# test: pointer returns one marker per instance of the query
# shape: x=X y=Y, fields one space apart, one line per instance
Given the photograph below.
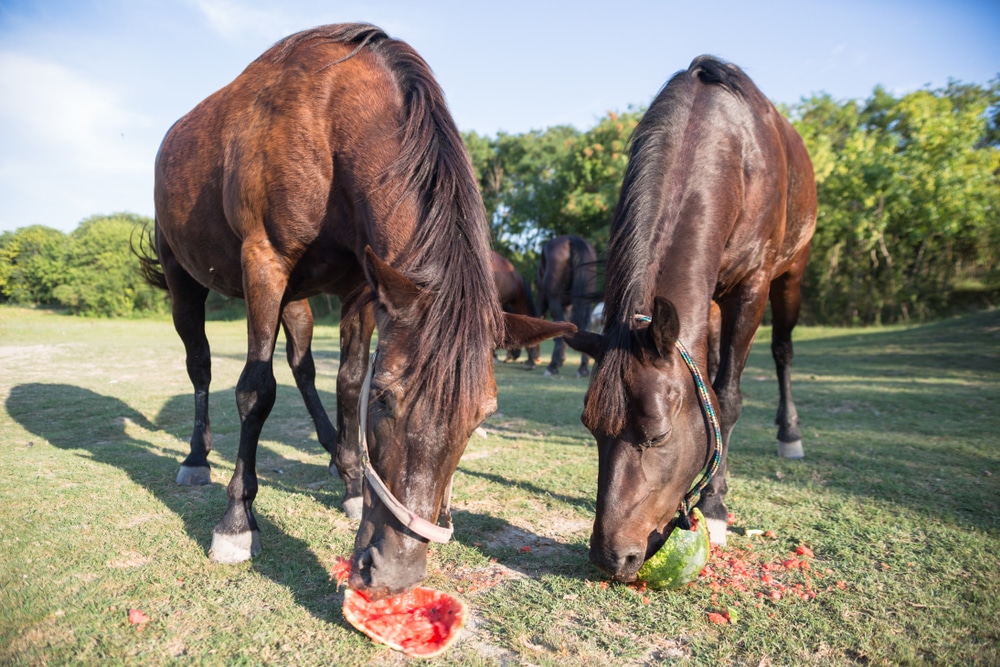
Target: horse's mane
x=636 y=229
x=448 y=254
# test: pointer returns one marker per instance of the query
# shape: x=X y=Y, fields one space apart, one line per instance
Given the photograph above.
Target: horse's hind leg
x=236 y=537
x=297 y=321
x=786 y=299
x=355 y=339
x=558 y=345
x=581 y=318
x=187 y=299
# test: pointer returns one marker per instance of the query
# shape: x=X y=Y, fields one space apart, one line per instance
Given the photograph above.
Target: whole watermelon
x=680 y=559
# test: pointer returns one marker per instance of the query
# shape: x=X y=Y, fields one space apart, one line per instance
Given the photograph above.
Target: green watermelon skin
x=681 y=558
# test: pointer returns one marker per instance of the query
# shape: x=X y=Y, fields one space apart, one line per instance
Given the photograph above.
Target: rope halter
x=693 y=495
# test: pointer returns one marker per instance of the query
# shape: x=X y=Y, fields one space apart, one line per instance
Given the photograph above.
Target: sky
x=88 y=88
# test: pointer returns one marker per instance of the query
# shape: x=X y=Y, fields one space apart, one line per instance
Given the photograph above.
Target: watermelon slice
x=680 y=559
x=421 y=622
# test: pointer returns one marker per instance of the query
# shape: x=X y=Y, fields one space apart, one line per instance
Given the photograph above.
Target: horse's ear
x=395 y=291
x=664 y=327
x=588 y=342
x=524 y=331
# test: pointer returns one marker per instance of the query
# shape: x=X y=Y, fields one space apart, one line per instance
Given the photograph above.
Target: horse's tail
x=145 y=250
x=532 y=309
x=583 y=260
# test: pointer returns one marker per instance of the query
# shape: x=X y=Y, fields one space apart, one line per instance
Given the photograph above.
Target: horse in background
x=718 y=203
x=567 y=288
x=515 y=296
x=331 y=164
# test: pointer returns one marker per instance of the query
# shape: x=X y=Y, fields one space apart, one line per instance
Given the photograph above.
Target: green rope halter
x=692 y=497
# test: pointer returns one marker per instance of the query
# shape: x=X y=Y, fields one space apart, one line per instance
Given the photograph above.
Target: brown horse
x=567 y=281
x=332 y=165
x=515 y=295
x=718 y=202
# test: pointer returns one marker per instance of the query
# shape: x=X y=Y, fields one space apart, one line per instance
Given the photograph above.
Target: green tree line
x=908 y=225
x=909 y=198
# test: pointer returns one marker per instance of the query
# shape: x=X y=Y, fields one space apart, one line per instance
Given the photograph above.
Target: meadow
x=897 y=500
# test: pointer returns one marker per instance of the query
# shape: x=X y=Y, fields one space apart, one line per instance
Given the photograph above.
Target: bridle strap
x=692 y=497
x=418 y=525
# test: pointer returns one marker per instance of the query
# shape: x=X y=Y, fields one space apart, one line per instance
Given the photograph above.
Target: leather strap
x=420 y=526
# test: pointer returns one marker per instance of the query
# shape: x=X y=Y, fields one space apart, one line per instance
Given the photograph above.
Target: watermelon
x=680 y=559
x=420 y=623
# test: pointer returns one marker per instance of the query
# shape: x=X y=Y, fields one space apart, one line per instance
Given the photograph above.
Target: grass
x=898 y=497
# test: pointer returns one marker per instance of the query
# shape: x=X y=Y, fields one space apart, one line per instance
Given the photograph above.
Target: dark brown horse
x=567 y=283
x=718 y=202
x=515 y=295
x=331 y=164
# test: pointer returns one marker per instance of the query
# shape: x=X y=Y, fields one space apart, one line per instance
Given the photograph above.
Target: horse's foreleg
x=558 y=345
x=742 y=311
x=236 y=537
x=297 y=320
x=188 y=309
x=786 y=299
x=355 y=340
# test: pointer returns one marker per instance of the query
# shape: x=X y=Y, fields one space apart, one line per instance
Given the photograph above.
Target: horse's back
x=255 y=161
x=755 y=155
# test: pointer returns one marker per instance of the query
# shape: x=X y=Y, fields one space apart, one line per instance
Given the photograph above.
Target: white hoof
x=791 y=450
x=352 y=508
x=194 y=475
x=548 y=373
x=717 y=531
x=229 y=549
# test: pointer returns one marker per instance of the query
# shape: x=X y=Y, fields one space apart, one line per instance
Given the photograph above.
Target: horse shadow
x=97 y=428
x=104 y=429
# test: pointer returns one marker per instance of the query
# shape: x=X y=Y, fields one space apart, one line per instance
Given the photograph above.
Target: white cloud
x=235 y=20
x=55 y=110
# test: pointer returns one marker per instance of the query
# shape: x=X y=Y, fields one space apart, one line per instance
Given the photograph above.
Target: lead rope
x=419 y=525
x=692 y=497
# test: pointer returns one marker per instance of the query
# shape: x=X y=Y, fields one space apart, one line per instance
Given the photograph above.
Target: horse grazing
x=718 y=203
x=332 y=165
x=567 y=279
x=515 y=295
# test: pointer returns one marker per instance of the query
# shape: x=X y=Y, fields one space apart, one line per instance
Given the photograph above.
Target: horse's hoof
x=791 y=450
x=549 y=372
x=717 y=531
x=229 y=549
x=194 y=475
x=352 y=508
x=582 y=373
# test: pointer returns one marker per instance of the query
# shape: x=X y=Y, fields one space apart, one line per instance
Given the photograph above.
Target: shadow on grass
x=94 y=427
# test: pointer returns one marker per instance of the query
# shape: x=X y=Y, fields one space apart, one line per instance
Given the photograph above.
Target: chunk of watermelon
x=421 y=622
x=680 y=559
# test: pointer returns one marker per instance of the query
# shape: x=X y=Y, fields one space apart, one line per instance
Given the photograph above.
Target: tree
x=102 y=276
x=32 y=261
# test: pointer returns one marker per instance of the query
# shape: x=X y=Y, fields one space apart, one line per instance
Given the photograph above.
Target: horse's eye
x=656 y=441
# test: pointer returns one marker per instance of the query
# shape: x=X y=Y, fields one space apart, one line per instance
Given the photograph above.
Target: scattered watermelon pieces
x=680 y=559
x=421 y=622
x=737 y=572
x=716 y=617
x=137 y=617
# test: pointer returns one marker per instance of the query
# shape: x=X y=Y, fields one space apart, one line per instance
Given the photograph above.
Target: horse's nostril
x=632 y=561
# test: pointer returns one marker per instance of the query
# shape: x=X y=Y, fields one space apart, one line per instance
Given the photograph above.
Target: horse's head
x=644 y=411
x=419 y=422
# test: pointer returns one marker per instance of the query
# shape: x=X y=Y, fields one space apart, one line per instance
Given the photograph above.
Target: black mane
x=636 y=230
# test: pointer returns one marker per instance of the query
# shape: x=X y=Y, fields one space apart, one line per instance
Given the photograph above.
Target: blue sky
x=89 y=87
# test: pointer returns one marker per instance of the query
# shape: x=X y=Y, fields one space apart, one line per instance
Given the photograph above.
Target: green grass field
x=898 y=498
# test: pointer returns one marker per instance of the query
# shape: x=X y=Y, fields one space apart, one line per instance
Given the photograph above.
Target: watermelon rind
x=681 y=558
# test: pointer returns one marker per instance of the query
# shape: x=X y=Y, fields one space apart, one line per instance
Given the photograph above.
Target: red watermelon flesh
x=421 y=622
